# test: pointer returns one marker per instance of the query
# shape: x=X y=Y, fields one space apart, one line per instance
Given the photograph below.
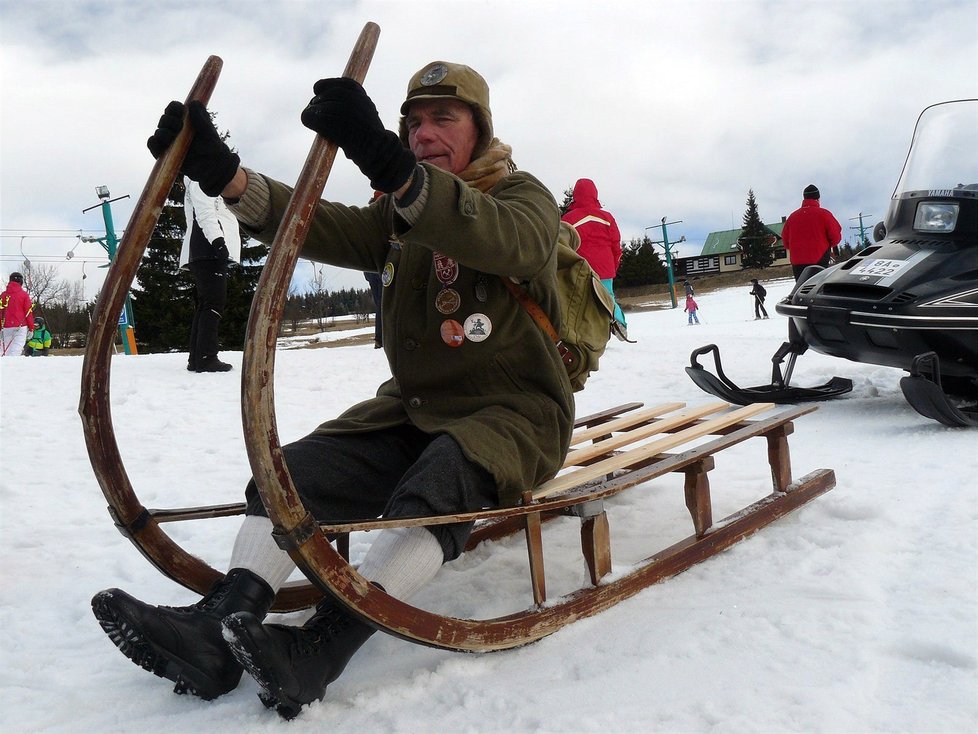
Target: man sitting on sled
x=479 y=407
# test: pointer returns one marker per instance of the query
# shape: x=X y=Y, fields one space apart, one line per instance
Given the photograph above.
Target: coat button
x=468 y=208
x=418 y=284
x=410 y=344
x=415 y=402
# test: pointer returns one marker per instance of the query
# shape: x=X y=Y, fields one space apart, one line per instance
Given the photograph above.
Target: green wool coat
x=503 y=395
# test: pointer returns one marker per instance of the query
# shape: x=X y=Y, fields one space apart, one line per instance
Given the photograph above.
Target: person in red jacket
x=810 y=233
x=600 y=238
x=16 y=317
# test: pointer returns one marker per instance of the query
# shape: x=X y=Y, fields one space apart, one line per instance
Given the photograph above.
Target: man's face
x=442 y=132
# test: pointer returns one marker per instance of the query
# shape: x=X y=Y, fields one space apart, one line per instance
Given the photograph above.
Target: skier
x=16 y=317
x=40 y=341
x=691 y=309
x=759 y=293
x=473 y=414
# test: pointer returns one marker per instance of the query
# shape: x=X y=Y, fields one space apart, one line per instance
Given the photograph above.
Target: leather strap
x=538 y=315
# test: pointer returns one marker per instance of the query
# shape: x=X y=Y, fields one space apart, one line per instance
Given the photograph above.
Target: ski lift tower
x=110 y=243
x=666 y=246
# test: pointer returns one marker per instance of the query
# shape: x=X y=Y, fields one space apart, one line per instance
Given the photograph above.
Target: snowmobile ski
x=925 y=393
x=777 y=391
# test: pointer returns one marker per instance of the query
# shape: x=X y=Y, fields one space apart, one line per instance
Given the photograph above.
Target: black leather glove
x=342 y=112
x=209 y=161
x=220 y=249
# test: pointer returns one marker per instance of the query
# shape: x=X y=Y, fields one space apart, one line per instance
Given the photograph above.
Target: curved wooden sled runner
x=612 y=451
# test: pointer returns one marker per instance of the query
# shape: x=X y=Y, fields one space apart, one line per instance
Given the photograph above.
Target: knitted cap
x=17 y=278
x=811 y=192
x=455 y=81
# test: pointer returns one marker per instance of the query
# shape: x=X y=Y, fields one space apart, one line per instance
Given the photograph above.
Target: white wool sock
x=256 y=550
x=402 y=560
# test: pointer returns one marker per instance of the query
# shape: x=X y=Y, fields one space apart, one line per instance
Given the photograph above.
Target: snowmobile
x=909 y=301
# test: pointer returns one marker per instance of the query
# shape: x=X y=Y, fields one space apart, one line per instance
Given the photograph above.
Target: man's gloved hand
x=342 y=112
x=221 y=249
x=209 y=161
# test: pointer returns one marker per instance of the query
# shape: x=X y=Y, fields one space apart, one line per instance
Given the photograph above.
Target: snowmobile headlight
x=935 y=217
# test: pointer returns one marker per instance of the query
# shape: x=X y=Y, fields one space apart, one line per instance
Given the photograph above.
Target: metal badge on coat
x=387 y=275
x=478 y=327
x=446 y=268
x=447 y=301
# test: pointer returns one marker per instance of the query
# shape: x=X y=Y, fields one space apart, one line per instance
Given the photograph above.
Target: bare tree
x=44 y=286
x=318 y=298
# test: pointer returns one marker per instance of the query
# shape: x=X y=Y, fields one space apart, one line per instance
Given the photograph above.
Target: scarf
x=490 y=168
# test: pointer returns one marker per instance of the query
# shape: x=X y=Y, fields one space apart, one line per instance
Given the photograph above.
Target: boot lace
x=319 y=630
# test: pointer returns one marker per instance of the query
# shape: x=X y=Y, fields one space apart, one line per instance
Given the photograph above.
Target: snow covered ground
x=858 y=613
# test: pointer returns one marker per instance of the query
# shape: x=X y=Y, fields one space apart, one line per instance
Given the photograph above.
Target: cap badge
x=434 y=75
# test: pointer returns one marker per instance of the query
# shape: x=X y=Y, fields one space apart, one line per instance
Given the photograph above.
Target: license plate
x=879 y=268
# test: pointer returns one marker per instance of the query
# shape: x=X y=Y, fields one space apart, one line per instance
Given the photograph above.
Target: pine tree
x=568 y=198
x=756 y=241
x=640 y=265
x=163 y=302
x=165 y=299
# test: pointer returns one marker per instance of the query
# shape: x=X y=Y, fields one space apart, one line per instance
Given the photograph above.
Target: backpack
x=587 y=310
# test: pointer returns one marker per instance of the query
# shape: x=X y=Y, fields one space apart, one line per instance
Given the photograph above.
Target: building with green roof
x=721 y=253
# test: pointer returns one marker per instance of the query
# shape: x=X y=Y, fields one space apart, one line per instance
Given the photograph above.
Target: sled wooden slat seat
x=627 y=462
x=207 y=512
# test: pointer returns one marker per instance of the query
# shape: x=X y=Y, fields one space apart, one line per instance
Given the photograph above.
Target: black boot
x=184 y=644
x=212 y=364
x=293 y=665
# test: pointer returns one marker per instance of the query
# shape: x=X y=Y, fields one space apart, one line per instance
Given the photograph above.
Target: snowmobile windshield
x=944 y=151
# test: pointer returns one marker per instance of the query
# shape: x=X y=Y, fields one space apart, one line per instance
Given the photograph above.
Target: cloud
x=674 y=108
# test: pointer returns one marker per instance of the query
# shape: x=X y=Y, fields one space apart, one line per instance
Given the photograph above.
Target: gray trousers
x=398 y=472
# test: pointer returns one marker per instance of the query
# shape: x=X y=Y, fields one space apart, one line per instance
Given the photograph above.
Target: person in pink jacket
x=600 y=238
x=16 y=316
x=810 y=233
x=691 y=309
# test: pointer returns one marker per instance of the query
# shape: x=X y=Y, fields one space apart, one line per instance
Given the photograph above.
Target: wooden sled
x=615 y=450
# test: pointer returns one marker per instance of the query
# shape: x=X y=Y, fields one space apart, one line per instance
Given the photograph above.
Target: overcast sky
x=675 y=108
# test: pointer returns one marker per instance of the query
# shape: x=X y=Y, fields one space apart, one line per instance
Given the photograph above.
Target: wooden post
x=534 y=548
x=778 y=456
x=698 y=501
x=596 y=545
x=343 y=546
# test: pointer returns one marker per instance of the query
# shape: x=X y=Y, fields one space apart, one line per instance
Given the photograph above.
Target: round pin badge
x=478 y=327
x=447 y=301
x=452 y=333
x=434 y=75
x=387 y=276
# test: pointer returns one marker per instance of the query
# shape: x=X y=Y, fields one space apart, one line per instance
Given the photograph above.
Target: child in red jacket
x=691 y=308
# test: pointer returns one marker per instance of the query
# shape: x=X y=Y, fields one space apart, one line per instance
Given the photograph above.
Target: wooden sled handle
x=272 y=478
x=94 y=405
x=258 y=362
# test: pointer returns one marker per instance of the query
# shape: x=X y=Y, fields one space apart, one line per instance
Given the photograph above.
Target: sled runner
x=627 y=447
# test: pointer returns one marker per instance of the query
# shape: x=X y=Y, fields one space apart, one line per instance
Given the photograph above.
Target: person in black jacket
x=759 y=293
